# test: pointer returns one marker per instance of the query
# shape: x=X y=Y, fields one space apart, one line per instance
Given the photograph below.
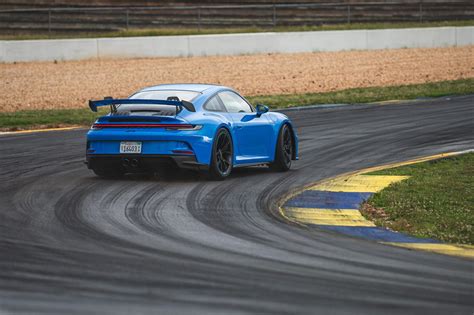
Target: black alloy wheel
x=222 y=155
x=287 y=145
x=284 y=150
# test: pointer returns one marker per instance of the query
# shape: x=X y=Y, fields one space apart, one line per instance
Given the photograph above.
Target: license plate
x=130 y=147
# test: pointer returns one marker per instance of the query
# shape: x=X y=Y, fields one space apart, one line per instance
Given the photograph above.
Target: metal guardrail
x=347 y=12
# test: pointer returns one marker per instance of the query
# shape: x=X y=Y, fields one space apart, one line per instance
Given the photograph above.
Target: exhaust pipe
x=125 y=162
x=134 y=163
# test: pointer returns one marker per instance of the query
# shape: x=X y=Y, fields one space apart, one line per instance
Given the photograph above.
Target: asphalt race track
x=73 y=243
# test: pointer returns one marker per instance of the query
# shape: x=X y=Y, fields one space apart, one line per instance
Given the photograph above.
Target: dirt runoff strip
x=47 y=85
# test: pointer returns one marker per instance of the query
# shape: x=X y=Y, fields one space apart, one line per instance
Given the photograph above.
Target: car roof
x=197 y=87
x=205 y=90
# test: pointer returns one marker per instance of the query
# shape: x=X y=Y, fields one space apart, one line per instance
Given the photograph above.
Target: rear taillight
x=166 y=126
x=185 y=127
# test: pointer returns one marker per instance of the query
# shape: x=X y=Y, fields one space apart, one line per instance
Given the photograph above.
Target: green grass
x=368 y=95
x=28 y=119
x=437 y=201
x=63 y=117
x=195 y=31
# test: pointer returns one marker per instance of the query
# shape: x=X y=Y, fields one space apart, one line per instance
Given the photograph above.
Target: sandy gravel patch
x=45 y=85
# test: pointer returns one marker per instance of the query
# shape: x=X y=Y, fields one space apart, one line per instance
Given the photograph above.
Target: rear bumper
x=154 y=142
x=143 y=161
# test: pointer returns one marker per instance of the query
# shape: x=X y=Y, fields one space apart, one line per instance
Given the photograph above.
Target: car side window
x=234 y=103
x=214 y=105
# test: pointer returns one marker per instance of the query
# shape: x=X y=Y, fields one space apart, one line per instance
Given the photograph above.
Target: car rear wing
x=112 y=102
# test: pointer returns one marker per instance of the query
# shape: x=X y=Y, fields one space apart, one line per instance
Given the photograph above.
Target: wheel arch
x=295 y=139
x=294 y=143
x=226 y=127
x=214 y=170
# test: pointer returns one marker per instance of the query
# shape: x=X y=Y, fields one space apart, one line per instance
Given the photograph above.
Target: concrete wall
x=233 y=44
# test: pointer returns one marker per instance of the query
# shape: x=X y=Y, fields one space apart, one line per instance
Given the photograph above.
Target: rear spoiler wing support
x=112 y=102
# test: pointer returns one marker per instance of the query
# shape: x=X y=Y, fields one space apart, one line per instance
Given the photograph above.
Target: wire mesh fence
x=100 y=19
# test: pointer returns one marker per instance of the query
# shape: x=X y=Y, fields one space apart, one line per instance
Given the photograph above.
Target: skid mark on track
x=333 y=205
x=226 y=254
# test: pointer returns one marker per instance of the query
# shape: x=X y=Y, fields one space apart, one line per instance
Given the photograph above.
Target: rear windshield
x=156 y=109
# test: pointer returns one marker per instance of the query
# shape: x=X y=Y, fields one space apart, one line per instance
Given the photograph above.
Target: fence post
x=199 y=19
x=49 y=22
x=349 y=14
x=274 y=18
x=127 y=18
x=420 y=12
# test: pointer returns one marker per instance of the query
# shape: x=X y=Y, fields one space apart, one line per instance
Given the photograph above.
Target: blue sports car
x=200 y=126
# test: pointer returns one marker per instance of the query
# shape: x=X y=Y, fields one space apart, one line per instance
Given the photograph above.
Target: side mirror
x=261 y=109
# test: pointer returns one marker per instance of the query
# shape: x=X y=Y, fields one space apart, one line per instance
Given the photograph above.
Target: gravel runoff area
x=48 y=85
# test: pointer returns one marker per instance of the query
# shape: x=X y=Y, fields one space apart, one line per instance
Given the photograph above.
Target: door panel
x=253 y=136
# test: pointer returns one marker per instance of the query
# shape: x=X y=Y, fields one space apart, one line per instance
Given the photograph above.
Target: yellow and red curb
x=39 y=130
x=333 y=204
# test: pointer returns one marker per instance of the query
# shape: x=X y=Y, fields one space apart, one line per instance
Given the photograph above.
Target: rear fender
x=211 y=123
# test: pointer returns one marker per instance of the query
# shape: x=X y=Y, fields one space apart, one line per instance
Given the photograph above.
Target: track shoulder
x=333 y=204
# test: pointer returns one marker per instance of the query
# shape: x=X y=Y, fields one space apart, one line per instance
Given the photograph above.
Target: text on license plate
x=130 y=147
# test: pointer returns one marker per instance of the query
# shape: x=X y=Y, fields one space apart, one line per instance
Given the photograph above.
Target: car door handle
x=239 y=127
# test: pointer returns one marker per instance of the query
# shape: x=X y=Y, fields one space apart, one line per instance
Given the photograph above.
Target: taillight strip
x=169 y=126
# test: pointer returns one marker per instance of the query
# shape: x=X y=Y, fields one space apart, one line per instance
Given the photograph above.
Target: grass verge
x=33 y=119
x=437 y=201
x=195 y=31
x=371 y=94
x=62 y=117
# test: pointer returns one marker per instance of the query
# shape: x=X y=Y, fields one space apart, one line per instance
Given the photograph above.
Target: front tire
x=283 y=150
x=222 y=155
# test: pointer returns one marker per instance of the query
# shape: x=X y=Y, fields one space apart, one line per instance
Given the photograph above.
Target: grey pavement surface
x=73 y=243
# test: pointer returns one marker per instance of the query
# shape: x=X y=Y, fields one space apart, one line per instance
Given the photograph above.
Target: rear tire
x=222 y=156
x=283 y=150
x=109 y=173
